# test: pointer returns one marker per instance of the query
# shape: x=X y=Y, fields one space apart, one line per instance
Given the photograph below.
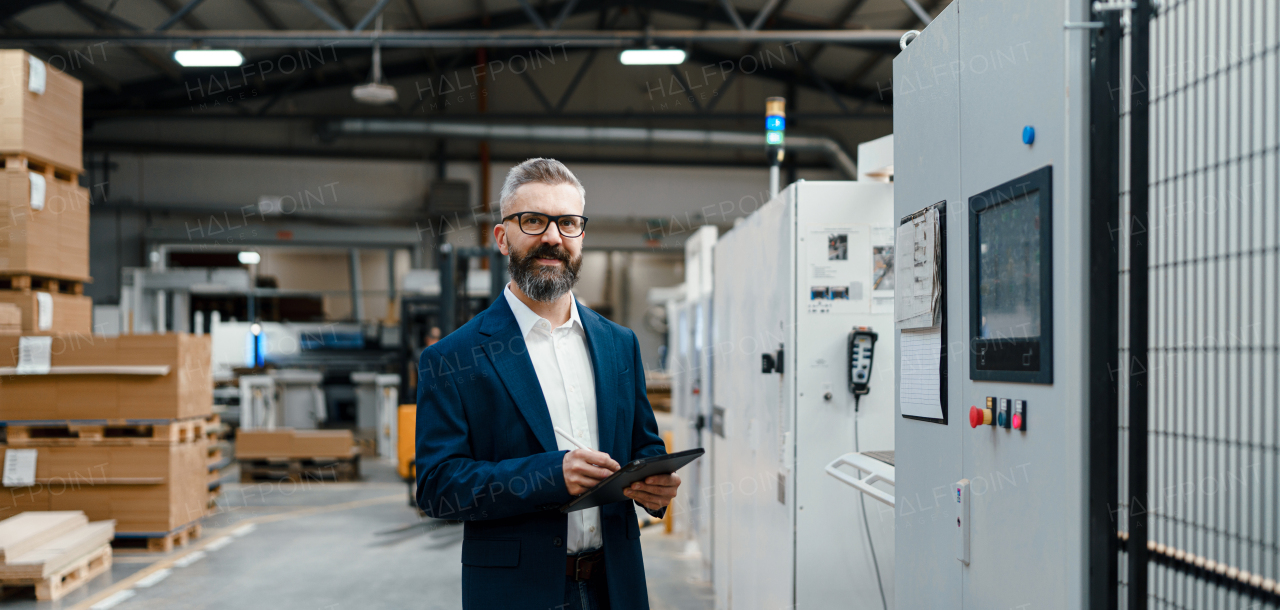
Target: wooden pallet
x=160 y=543
x=52 y=433
x=32 y=164
x=65 y=580
x=367 y=447
x=214 y=494
x=298 y=470
x=23 y=282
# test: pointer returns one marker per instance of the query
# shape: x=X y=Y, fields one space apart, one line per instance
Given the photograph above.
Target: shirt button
x=592 y=528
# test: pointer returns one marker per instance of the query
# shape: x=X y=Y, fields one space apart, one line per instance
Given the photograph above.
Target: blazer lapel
x=509 y=356
x=603 y=356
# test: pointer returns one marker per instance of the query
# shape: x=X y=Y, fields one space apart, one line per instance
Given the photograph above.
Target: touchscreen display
x=1009 y=269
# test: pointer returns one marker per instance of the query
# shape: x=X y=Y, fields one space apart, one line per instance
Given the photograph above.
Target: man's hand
x=655 y=492
x=584 y=469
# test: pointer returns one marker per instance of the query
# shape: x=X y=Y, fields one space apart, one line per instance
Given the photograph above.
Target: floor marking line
x=154 y=578
x=114 y=600
x=128 y=582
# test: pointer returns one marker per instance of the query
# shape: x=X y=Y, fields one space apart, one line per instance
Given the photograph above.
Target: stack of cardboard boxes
x=44 y=232
x=297 y=455
x=118 y=426
x=111 y=426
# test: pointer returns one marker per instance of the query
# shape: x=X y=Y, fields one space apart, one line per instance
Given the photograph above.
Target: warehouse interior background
x=216 y=281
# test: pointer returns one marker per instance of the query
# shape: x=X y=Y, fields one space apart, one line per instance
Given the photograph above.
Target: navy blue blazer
x=487 y=455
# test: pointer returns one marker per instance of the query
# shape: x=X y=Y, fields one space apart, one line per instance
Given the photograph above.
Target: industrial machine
x=802 y=288
x=689 y=362
x=990 y=331
x=377 y=400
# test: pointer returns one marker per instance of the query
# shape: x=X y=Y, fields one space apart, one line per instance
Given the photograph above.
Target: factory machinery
x=777 y=369
x=1083 y=371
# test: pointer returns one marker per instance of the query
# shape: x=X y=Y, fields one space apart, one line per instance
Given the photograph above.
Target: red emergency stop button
x=978 y=417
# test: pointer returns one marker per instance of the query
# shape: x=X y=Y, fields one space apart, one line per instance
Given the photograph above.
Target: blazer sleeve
x=645 y=441
x=454 y=485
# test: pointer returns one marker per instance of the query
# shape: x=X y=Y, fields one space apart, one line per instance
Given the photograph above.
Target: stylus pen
x=565 y=436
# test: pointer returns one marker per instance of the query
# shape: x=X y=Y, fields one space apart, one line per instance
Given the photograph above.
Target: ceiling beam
x=871 y=62
x=181 y=13
x=12 y=8
x=117 y=26
x=266 y=14
x=618 y=39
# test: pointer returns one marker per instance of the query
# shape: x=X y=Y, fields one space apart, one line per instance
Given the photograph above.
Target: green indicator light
x=773 y=137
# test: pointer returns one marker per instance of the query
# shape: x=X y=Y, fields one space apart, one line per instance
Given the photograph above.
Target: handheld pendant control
x=862 y=345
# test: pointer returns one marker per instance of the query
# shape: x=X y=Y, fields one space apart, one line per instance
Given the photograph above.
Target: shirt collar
x=527 y=318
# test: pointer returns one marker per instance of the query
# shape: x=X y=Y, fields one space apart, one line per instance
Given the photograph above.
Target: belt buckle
x=577 y=569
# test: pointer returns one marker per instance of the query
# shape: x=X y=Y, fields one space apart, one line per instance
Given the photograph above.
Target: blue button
x=1028 y=135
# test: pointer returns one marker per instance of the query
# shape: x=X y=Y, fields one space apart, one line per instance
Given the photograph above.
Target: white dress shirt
x=564 y=371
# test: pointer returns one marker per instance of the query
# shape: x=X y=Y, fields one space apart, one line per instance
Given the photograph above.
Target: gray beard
x=543 y=285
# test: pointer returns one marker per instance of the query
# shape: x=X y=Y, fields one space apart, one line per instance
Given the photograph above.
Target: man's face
x=543 y=266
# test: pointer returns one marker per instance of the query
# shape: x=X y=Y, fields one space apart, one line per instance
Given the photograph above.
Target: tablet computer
x=610 y=490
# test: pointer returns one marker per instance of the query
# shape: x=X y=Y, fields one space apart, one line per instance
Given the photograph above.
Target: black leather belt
x=584 y=565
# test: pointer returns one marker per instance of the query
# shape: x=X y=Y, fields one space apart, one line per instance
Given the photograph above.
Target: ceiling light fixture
x=375 y=92
x=652 y=57
x=249 y=257
x=208 y=58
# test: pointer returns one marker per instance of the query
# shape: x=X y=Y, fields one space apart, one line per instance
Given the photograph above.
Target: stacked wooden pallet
x=53 y=552
x=285 y=454
x=44 y=232
x=220 y=461
x=119 y=430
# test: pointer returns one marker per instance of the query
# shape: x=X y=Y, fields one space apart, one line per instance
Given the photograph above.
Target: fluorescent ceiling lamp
x=208 y=58
x=249 y=257
x=652 y=57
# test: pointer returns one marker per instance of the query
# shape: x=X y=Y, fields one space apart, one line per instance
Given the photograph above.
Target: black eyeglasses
x=536 y=223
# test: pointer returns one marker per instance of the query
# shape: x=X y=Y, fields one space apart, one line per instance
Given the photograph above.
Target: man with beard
x=495 y=399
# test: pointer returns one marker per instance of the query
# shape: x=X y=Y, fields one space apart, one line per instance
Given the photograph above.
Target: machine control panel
x=1007 y=413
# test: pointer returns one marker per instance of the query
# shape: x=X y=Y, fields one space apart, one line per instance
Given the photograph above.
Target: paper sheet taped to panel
x=919 y=289
x=920 y=361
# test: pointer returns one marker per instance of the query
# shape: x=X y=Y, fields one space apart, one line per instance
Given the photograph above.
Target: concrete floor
x=329 y=546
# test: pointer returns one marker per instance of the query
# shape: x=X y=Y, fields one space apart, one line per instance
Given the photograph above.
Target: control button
x=978 y=417
x=1003 y=416
x=1017 y=421
x=1020 y=415
x=1028 y=135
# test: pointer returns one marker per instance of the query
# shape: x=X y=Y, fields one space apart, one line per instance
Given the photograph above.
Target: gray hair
x=545 y=171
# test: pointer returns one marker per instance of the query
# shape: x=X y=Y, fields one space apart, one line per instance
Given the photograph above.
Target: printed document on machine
x=920 y=361
x=918 y=290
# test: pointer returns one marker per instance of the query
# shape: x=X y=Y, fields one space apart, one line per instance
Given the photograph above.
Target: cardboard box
x=10 y=319
x=51 y=241
x=145 y=489
x=290 y=443
x=46 y=125
x=72 y=313
x=185 y=391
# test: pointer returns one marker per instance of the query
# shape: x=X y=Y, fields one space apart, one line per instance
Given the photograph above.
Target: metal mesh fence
x=1212 y=502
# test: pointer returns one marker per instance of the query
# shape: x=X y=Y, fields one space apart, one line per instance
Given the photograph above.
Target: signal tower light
x=775 y=124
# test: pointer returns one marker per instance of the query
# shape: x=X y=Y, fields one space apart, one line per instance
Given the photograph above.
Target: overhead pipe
x=832 y=150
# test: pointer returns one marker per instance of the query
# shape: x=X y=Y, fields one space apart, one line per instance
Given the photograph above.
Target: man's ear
x=499 y=237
